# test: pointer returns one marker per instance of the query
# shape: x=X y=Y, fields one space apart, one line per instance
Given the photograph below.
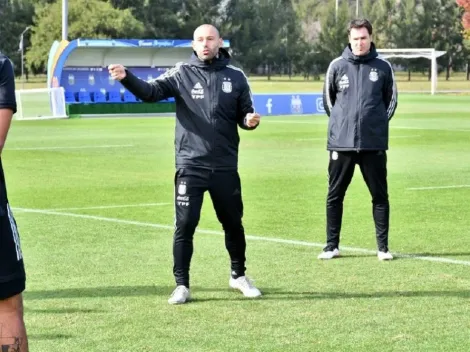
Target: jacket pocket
x=181 y=142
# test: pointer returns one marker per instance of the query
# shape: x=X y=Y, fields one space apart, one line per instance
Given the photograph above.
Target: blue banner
x=289 y=104
x=142 y=43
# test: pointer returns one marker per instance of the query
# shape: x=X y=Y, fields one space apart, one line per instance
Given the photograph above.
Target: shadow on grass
x=402 y=256
x=275 y=294
x=269 y=293
x=34 y=337
x=110 y=291
x=62 y=310
x=445 y=254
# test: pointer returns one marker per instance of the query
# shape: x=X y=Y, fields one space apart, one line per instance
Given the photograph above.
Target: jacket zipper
x=359 y=92
x=212 y=93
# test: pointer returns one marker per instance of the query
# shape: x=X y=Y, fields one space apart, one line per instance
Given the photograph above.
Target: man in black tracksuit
x=212 y=99
x=360 y=98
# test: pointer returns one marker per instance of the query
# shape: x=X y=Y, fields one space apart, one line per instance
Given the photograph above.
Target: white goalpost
x=40 y=104
x=431 y=54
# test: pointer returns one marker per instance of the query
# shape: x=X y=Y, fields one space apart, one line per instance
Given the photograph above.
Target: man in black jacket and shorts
x=212 y=98
x=12 y=273
x=360 y=98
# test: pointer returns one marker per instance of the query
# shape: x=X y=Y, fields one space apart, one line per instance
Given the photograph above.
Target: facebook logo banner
x=288 y=104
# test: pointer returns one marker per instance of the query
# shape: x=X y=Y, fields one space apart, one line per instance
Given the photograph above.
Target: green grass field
x=93 y=202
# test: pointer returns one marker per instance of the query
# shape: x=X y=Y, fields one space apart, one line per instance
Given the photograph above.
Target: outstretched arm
x=163 y=87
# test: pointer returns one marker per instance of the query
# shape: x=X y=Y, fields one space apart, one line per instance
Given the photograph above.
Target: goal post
x=40 y=104
x=431 y=54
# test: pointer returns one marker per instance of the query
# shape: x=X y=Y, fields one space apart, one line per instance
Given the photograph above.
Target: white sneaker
x=329 y=254
x=384 y=255
x=245 y=285
x=180 y=295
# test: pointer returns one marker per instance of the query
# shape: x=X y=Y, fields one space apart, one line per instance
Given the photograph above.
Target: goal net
x=430 y=54
x=37 y=104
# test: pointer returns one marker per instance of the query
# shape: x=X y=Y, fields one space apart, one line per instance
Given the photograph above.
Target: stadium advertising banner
x=289 y=104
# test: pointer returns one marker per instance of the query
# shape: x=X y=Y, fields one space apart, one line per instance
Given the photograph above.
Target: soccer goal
x=39 y=104
x=431 y=54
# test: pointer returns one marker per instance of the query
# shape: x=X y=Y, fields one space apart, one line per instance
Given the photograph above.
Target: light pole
x=65 y=12
x=337 y=6
x=22 y=54
x=336 y=10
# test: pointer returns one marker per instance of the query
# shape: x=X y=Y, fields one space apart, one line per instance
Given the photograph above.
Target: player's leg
x=374 y=171
x=190 y=185
x=340 y=172
x=12 y=281
x=12 y=328
x=226 y=193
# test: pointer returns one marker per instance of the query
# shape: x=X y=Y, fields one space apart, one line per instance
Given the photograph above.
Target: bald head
x=206 y=41
x=205 y=30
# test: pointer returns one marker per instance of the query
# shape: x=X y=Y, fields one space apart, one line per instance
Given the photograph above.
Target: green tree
x=241 y=26
x=309 y=13
x=448 y=35
x=264 y=34
x=16 y=15
x=282 y=36
x=382 y=15
x=193 y=13
x=161 y=18
x=333 y=36
x=87 y=19
x=404 y=33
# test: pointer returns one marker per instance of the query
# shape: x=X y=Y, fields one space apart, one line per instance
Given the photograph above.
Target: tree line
x=290 y=37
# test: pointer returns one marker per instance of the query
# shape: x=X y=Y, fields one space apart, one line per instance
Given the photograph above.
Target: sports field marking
x=431 y=128
x=76 y=147
x=321 y=122
x=324 y=138
x=436 y=187
x=114 y=206
x=409 y=136
x=248 y=237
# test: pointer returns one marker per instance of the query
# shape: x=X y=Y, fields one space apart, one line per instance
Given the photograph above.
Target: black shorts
x=12 y=273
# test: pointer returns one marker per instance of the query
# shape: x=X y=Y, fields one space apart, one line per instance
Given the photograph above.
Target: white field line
x=310 y=122
x=436 y=187
x=114 y=206
x=76 y=147
x=249 y=237
x=325 y=138
x=431 y=128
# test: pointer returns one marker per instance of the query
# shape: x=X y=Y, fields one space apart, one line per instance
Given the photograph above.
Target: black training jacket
x=212 y=99
x=360 y=98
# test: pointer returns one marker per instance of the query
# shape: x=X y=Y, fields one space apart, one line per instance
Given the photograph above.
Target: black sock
x=236 y=275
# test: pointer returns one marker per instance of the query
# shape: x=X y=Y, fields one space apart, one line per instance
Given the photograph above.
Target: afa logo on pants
x=182 y=188
x=182 y=200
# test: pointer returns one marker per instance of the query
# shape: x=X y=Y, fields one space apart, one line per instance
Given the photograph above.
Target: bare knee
x=12 y=324
x=12 y=305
